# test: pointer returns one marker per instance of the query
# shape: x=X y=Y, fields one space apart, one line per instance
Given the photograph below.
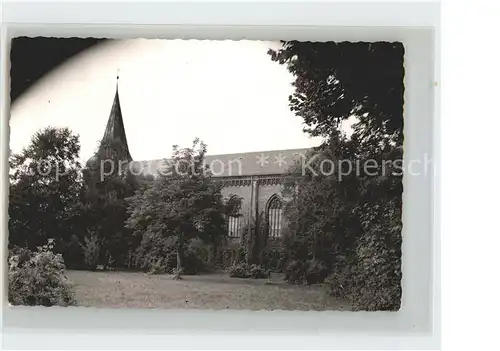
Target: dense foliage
x=157 y=254
x=45 y=181
x=184 y=203
x=91 y=251
x=273 y=258
x=38 y=278
x=345 y=211
x=102 y=209
x=244 y=270
x=334 y=81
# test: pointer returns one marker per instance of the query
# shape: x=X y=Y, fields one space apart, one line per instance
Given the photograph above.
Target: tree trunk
x=179 y=262
x=214 y=253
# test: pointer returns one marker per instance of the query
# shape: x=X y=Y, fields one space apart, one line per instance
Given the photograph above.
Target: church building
x=256 y=177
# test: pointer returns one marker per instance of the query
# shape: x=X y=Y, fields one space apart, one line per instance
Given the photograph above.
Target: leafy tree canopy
x=334 y=81
x=44 y=184
x=183 y=203
x=349 y=219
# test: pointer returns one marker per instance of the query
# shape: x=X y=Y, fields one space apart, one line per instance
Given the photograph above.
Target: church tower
x=114 y=134
x=114 y=143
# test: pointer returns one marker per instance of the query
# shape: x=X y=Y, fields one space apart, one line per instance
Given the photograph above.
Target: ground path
x=206 y=291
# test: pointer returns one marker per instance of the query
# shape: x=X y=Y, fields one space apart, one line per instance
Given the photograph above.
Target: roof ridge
x=237 y=153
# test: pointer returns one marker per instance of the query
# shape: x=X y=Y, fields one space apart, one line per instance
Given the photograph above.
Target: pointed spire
x=114 y=134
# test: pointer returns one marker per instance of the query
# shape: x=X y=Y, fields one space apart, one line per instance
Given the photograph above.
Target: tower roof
x=114 y=134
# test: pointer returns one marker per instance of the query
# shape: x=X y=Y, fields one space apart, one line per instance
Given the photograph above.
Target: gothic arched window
x=233 y=230
x=274 y=216
x=233 y=226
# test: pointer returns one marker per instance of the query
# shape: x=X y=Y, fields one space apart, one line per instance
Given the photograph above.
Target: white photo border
x=415 y=326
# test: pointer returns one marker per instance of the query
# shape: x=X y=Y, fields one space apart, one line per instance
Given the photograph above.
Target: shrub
x=91 y=251
x=273 y=259
x=258 y=272
x=378 y=275
x=239 y=271
x=110 y=261
x=295 y=271
x=22 y=255
x=372 y=280
x=38 y=278
x=340 y=281
x=159 y=266
x=73 y=254
x=178 y=273
x=196 y=257
x=306 y=271
x=296 y=247
x=243 y=270
x=234 y=255
x=158 y=255
x=316 y=272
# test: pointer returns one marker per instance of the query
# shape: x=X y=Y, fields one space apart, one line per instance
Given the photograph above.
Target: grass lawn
x=207 y=291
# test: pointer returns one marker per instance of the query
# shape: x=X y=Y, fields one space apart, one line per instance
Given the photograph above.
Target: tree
x=183 y=204
x=320 y=211
x=334 y=81
x=102 y=208
x=44 y=183
x=356 y=216
x=213 y=218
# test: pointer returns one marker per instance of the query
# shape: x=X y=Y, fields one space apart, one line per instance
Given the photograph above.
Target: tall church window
x=234 y=224
x=275 y=216
x=233 y=227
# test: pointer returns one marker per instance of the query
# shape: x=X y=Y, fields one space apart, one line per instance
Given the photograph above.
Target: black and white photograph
x=206 y=174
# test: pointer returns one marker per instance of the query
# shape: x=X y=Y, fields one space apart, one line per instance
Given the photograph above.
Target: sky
x=228 y=93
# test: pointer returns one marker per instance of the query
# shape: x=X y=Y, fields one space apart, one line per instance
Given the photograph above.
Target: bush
x=91 y=251
x=22 y=254
x=340 y=281
x=73 y=254
x=378 y=275
x=196 y=257
x=243 y=270
x=160 y=266
x=231 y=256
x=158 y=255
x=309 y=271
x=239 y=271
x=258 y=272
x=295 y=271
x=38 y=278
x=316 y=272
x=273 y=259
x=296 y=247
x=372 y=281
